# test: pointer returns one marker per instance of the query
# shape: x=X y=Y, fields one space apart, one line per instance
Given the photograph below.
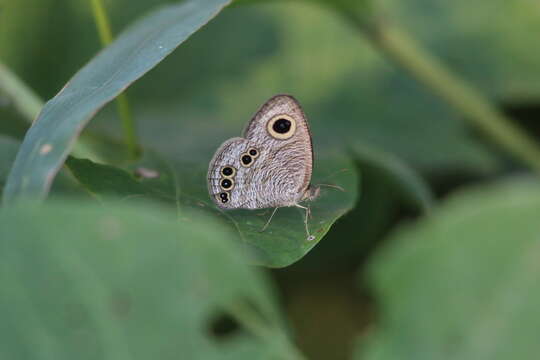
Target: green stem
x=475 y=108
x=28 y=104
x=24 y=99
x=122 y=103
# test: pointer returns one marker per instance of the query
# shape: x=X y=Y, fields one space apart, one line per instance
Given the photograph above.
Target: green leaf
x=80 y=281
x=409 y=185
x=135 y=52
x=184 y=185
x=464 y=283
x=107 y=180
x=388 y=188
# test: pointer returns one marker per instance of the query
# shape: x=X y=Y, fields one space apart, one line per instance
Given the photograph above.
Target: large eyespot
x=281 y=127
x=253 y=152
x=226 y=184
x=246 y=160
x=223 y=197
x=228 y=171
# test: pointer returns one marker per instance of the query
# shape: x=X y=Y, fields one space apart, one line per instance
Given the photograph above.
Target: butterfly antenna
x=270 y=219
x=335 y=173
x=332 y=186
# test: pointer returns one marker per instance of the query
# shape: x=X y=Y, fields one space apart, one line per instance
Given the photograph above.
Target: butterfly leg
x=308 y=214
x=270 y=219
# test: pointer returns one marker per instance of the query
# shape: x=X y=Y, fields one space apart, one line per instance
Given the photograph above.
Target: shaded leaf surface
x=388 y=188
x=80 y=281
x=282 y=243
x=463 y=284
x=130 y=56
x=409 y=185
x=8 y=151
x=107 y=180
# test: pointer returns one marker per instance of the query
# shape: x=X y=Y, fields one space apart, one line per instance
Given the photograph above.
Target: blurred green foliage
x=430 y=281
x=81 y=283
x=464 y=283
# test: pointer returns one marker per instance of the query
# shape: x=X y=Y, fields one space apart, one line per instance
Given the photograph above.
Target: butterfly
x=270 y=166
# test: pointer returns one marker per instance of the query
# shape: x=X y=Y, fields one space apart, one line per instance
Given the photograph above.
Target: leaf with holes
x=184 y=185
x=464 y=283
x=131 y=55
x=81 y=281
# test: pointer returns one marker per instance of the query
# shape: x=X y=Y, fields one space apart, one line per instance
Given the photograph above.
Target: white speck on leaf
x=45 y=149
x=146 y=173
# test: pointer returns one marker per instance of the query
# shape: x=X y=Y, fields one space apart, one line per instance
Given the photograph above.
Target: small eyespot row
x=253 y=152
x=228 y=171
x=247 y=158
x=226 y=183
x=223 y=197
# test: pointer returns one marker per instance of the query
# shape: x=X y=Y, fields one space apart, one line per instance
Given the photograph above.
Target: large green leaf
x=464 y=283
x=81 y=281
x=135 y=52
x=184 y=185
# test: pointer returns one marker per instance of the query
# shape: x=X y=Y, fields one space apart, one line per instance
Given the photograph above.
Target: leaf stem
x=29 y=104
x=24 y=99
x=122 y=102
x=476 y=108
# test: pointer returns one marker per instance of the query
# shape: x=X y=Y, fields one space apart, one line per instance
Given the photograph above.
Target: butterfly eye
x=253 y=152
x=228 y=171
x=281 y=127
x=226 y=184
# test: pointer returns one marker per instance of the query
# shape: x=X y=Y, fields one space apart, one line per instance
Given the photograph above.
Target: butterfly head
x=311 y=193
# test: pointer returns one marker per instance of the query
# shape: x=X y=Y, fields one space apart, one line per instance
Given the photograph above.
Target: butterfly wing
x=272 y=164
x=226 y=175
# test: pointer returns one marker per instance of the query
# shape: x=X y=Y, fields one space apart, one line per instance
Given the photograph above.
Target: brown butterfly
x=271 y=166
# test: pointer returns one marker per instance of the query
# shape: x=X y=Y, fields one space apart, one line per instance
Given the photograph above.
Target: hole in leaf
x=223 y=327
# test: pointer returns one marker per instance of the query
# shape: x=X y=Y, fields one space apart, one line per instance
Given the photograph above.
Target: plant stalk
x=24 y=99
x=28 y=104
x=476 y=109
x=122 y=102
